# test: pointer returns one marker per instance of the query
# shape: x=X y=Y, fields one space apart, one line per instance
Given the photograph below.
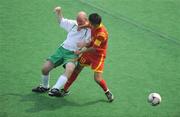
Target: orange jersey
x=99 y=41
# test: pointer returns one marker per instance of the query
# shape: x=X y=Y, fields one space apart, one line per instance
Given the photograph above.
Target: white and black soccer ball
x=154 y=99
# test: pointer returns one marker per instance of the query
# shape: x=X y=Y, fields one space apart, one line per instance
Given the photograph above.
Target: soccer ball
x=154 y=99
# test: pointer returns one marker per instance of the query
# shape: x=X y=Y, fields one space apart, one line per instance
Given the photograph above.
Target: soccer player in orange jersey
x=93 y=56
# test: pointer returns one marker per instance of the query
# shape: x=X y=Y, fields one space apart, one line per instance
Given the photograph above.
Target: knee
x=98 y=77
x=45 y=71
x=70 y=67
x=47 y=67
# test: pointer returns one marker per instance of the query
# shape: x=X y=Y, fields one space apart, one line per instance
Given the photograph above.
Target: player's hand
x=86 y=25
x=77 y=52
x=79 y=28
x=57 y=10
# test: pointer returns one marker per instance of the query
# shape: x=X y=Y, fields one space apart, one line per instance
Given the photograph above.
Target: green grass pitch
x=143 y=57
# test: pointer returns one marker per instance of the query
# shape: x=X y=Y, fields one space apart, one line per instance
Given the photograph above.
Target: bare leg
x=99 y=79
x=65 y=76
x=73 y=77
x=47 y=67
x=44 y=87
x=102 y=83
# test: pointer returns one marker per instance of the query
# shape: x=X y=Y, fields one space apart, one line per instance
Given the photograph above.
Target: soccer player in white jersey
x=65 y=55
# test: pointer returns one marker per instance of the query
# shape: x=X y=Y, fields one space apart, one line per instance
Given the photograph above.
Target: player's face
x=92 y=26
x=81 y=21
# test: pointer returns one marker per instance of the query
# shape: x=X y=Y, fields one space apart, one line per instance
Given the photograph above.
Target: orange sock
x=103 y=85
x=70 y=80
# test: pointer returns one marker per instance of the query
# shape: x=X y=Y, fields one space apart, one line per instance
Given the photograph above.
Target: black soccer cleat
x=109 y=96
x=54 y=92
x=64 y=93
x=40 y=89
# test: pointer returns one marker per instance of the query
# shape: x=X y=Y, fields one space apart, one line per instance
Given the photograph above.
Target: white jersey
x=74 y=36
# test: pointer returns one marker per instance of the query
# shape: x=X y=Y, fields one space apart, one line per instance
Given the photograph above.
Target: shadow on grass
x=42 y=102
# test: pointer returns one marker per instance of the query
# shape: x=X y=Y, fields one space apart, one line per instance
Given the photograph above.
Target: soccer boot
x=40 y=89
x=109 y=96
x=54 y=92
x=64 y=93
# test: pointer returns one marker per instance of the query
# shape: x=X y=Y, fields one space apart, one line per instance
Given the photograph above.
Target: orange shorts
x=96 y=62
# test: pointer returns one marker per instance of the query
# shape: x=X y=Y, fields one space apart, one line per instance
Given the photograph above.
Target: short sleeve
x=100 y=38
x=101 y=35
x=67 y=24
x=97 y=42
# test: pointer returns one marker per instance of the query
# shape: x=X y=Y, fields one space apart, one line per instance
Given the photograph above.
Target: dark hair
x=95 y=19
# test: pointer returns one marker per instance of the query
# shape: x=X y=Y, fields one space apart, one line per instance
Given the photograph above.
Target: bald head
x=81 y=18
x=82 y=14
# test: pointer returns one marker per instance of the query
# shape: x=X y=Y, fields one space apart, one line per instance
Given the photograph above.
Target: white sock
x=60 y=82
x=45 y=81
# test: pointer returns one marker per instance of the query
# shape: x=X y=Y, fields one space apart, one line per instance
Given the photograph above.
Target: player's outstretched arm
x=83 y=44
x=59 y=14
x=86 y=25
x=90 y=49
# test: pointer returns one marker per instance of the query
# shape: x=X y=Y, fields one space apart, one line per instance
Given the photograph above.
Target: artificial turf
x=143 y=57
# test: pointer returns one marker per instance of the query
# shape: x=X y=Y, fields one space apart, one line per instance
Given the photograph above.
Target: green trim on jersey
x=63 y=56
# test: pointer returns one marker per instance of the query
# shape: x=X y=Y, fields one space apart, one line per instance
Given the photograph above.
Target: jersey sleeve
x=67 y=24
x=100 y=38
